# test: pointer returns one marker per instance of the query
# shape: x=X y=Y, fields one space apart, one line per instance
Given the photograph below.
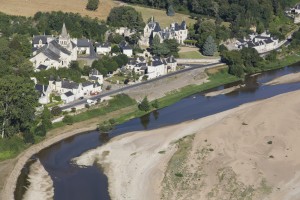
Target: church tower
x=64 y=38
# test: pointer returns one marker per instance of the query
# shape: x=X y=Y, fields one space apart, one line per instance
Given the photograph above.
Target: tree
x=144 y=105
x=92 y=4
x=170 y=10
x=56 y=111
x=209 y=47
x=155 y=104
x=46 y=118
x=172 y=45
x=115 y=49
x=18 y=101
x=125 y=16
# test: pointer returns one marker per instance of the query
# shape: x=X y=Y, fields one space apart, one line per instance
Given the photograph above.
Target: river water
x=74 y=183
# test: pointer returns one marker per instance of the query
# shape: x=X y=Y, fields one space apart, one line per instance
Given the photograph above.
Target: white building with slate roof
x=175 y=31
x=103 y=48
x=54 y=52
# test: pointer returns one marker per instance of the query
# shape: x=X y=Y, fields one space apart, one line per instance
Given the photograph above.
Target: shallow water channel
x=74 y=183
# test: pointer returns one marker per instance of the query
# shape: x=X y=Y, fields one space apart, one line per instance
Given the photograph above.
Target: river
x=74 y=183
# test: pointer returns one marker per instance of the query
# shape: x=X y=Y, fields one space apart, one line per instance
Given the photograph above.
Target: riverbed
x=73 y=182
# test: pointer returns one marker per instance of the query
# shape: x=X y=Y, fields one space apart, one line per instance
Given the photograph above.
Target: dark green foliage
x=112 y=121
x=170 y=10
x=87 y=106
x=28 y=137
x=167 y=48
x=144 y=105
x=77 y=26
x=41 y=130
x=18 y=100
x=155 y=104
x=73 y=110
x=92 y=4
x=68 y=119
x=56 y=111
x=109 y=64
x=46 y=118
x=126 y=16
x=105 y=127
x=209 y=47
x=115 y=38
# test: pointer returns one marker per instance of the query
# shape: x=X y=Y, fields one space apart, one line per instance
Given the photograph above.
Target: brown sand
x=41 y=184
x=236 y=160
x=289 y=78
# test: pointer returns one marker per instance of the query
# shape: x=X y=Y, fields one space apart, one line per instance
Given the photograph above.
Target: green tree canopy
x=18 y=100
x=126 y=16
x=209 y=47
x=92 y=4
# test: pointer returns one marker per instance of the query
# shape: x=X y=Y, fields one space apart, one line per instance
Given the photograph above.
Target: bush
x=87 y=106
x=155 y=104
x=68 y=120
x=112 y=121
x=73 y=110
x=170 y=10
x=144 y=105
x=57 y=98
x=108 y=87
x=41 y=130
x=92 y=4
x=56 y=111
x=105 y=127
x=28 y=137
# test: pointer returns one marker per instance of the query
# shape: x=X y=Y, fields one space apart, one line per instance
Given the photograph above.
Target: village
x=60 y=51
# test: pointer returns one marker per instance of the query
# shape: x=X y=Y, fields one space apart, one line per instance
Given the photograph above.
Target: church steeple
x=64 y=37
x=64 y=32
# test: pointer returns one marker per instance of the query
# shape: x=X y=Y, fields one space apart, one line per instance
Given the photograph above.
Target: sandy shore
x=224 y=91
x=247 y=148
x=41 y=184
x=289 y=78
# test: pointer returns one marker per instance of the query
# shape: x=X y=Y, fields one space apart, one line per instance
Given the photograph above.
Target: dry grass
x=161 y=16
x=30 y=7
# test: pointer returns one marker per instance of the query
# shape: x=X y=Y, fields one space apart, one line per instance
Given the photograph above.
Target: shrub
x=73 y=110
x=170 y=10
x=68 y=120
x=56 y=111
x=92 y=4
x=28 y=137
x=178 y=174
x=57 y=98
x=112 y=121
x=144 y=105
x=41 y=130
x=270 y=142
x=155 y=104
x=87 y=106
x=108 y=87
x=105 y=127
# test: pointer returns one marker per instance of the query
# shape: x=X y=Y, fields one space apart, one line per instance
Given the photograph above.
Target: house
x=156 y=68
x=63 y=86
x=171 y=64
x=67 y=97
x=84 y=46
x=56 y=52
x=104 y=48
x=261 y=42
x=95 y=76
x=175 y=31
x=126 y=49
x=44 y=93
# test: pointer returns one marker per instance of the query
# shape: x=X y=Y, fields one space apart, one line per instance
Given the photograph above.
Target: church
x=50 y=52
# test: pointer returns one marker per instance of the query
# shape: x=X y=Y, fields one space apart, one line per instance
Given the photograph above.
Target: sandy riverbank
x=224 y=91
x=41 y=184
x=252 y=148
x=289 y=78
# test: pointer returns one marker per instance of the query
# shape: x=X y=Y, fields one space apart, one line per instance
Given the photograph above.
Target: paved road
x=121 y=90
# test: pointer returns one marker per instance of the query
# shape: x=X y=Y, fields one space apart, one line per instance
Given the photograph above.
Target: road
x=122 y=90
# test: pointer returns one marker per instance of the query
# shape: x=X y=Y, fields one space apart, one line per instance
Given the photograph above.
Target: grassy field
x=30 y=7
x=161 y=16
x=193 y=55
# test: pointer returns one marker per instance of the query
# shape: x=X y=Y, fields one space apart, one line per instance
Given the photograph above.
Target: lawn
x=193 y=55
